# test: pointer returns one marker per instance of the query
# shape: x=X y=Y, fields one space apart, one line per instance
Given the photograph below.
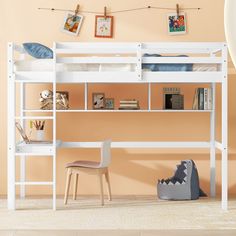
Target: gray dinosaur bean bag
x=184 y=185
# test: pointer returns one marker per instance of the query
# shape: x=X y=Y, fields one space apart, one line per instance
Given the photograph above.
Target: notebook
x=26 y=138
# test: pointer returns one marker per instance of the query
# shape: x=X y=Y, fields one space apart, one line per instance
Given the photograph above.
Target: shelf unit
x=132 y=53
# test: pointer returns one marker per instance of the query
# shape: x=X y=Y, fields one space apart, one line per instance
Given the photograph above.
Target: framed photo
x=104 y=26
x=72 y=23
x=109 y=103
x=62 y=100
x=176 y=24
x=98 y=100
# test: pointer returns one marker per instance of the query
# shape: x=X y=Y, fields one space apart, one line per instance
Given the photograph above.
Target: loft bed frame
x=115 y=54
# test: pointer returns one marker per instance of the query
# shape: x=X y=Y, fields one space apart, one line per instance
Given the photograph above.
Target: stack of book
x=129 y=104
x=202 y=99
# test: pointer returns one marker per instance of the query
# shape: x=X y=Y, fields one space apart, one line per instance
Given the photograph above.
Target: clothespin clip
x=76 y=12
x=105 y=12
x=177 y=10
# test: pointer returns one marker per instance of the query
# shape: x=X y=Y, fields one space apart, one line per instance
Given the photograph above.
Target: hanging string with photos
x=104 y=20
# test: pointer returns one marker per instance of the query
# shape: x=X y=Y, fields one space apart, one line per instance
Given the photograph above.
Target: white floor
x=133 y=213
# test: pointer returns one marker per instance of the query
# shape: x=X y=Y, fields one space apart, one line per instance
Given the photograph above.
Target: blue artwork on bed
x=167 y=66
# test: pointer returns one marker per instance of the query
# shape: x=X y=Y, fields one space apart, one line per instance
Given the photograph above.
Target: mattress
x=47 y=65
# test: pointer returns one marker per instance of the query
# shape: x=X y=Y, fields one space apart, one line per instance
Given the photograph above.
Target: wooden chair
x=93 y=168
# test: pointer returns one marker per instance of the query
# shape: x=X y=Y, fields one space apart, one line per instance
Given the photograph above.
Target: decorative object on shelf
x=176 y=22
x=62 y=100
x=38 y=51
x=109 y=103
x=27 y=139
x=46 y=99
x=172 y=99
x=39 y=126
x=72 y=22
x=129 y=104
x=202 y=99
x=98 y=100
x=104 y=25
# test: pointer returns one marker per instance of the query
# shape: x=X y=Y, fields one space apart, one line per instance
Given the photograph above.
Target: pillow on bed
x=38 y=50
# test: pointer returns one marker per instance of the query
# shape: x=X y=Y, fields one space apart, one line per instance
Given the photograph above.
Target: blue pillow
x=38 y=50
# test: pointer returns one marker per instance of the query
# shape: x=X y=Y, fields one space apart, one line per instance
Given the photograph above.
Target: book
x=195 y=100
x=209 y=99
x=129 y=105
x=128 y=102
x=174 y=101
x=205 y=99
x=167 y=94
x=200 y=98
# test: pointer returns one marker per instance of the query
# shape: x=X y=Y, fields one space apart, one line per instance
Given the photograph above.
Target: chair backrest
x=105 y=154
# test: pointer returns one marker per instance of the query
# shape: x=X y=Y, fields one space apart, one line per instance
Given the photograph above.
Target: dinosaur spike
x=185 y=171
x=170 y=183
x=164 y=183
x=185 y=165
x=177 y=183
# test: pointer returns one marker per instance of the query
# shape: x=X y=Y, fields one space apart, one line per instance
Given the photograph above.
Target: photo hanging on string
x=176 y=23
x=72 y=23
x=104 y=26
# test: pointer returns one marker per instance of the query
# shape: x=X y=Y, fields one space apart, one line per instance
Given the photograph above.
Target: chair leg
x=108 y=185
x=101 y=188
x=75 y=186
x=68 y=178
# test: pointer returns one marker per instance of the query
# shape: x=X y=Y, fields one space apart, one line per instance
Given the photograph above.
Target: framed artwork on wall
x=109 y=103
x=72 y=24
x=104 y=26
x=176 y=23
x=98 y=100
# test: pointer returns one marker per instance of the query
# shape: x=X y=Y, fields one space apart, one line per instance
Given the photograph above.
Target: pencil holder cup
x=40 y=135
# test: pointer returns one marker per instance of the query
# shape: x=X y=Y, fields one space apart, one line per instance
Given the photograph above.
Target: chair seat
x=85 y=164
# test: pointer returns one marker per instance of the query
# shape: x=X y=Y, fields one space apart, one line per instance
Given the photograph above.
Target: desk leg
x=22 y=176
x=11 y=193
x=224 y=162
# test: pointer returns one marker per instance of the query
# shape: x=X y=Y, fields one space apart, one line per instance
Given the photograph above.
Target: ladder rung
x=34 y=117
x=39 y=154
x=33 y=183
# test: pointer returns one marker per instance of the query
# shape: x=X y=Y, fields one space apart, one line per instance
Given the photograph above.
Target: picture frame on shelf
x=110 y=103
x=103 y=26
x=62 y=100
x=176 y=23
x=72 y=24
x=98 y=101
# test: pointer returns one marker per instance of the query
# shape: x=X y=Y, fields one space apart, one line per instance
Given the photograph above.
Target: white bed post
x=139 y=62
x=54 y=126
x=85 y=96
x=149 y=96
x=224 y=162
x=22 y=158
x=11 y=163
x=213 y=148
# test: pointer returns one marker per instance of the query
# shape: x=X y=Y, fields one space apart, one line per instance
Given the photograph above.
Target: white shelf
x=34 y=117
x=34 y=183
x=124 y=111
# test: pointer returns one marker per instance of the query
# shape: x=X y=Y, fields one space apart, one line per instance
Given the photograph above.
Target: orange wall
x=132 y=171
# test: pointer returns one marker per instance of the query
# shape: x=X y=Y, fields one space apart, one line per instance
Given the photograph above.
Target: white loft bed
x=115 y=63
